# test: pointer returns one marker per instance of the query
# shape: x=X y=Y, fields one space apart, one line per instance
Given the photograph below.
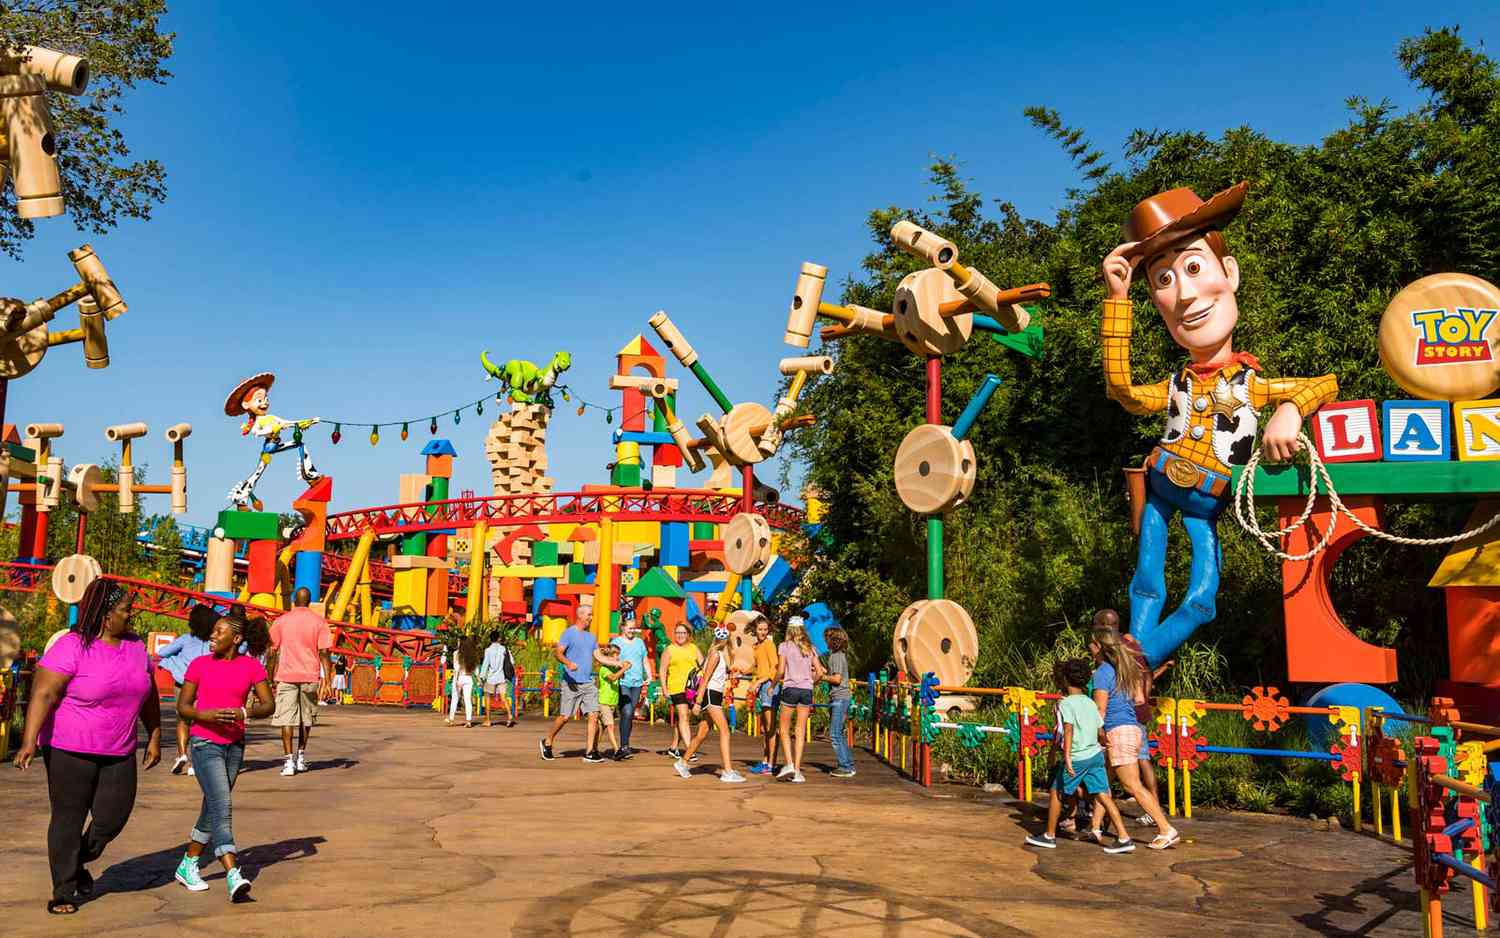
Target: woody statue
x=252 y=398
x=1213 y=404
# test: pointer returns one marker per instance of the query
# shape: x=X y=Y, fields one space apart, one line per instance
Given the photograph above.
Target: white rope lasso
x=1244 y=494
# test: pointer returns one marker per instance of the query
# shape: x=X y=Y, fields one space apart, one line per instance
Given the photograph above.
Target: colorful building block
x=544 y=553
x=1347 y=431
x=1416 y=430
x=248 y=525
x=626 y=476
x=1477 y=429
x=307 y=572
x=261 y=557
x=675 y=538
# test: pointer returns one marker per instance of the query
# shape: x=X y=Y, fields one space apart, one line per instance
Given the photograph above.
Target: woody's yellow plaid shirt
x=1306 y=394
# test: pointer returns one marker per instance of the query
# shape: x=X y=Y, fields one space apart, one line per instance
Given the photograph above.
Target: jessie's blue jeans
x=216 y=766
x=1160 y=637
x=630 y=699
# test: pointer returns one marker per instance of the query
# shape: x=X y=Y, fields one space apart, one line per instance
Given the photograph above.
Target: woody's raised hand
x=1118 y=269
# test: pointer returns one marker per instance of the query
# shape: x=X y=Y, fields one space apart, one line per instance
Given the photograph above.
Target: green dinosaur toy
x=524 y=382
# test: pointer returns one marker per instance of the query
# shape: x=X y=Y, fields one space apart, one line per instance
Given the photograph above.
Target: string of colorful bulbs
x=457 y=414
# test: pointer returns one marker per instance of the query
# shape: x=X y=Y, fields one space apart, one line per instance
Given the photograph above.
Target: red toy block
x=1347 y=431
x=666 y=456
x=261 y=556
x=633 y=415
x=313 y=506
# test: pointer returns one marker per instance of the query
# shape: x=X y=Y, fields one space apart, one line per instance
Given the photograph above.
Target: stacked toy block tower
x=419 y=587
x=517 y=450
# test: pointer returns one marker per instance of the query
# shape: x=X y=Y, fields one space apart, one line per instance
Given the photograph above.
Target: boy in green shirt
x=1078 y=726
x=611 y=669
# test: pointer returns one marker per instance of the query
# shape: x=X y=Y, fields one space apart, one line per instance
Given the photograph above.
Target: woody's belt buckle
x=1182 y=473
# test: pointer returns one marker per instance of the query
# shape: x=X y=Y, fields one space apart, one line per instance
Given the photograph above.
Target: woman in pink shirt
x=800 y=670
x=89 y=690
x=214 y=695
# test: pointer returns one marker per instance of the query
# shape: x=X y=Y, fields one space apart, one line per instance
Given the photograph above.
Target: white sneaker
x=301 y=761
x=797 y=777
x=190 y=772
x=731 y=777
x=787 y=771
x=178 y=765
x=290 y=768
x=682 y=769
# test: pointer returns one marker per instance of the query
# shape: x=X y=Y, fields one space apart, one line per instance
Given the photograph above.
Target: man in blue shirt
x=633 y=653
x=576 y=651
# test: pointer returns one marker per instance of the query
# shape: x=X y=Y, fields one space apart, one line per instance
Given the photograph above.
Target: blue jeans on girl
x=216 y=766
x=838 y=735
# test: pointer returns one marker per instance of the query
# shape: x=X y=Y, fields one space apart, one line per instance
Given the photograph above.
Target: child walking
x=841 y=698
x=1082 y=763
x=214 y=694
x=465 y=663
x=800 y=670
x=611 y=667
x=766 y=693
x=711 y=694
x=179 y=653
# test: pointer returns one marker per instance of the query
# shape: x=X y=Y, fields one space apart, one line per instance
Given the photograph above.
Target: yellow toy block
x=628 y=454
x=552 y=629
x=269 y=600
x=560 y=532
x=628 y=579
x=639 y=532
x=1476 y=427
x=409 y=592
x=528 y=572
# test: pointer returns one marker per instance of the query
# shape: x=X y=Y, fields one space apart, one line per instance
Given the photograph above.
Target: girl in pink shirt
x=214 y=695
x=799 y=671
x=88 y=691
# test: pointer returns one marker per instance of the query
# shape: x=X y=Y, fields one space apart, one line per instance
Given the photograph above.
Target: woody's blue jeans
x=1160 y=637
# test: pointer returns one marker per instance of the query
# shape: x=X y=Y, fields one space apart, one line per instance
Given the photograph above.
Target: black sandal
x=85 y=883
x=61 y=907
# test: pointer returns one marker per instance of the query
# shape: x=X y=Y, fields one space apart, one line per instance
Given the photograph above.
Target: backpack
x=508 y=666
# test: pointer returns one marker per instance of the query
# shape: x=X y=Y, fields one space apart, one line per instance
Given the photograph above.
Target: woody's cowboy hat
x=234 y=404
x=1157 y=221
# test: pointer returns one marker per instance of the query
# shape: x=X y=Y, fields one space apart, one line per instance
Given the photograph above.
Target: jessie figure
x=1213 y=403
x=252 y=398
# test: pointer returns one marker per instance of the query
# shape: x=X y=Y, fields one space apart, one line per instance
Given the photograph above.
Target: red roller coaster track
x=356 y=641
x=553 y=508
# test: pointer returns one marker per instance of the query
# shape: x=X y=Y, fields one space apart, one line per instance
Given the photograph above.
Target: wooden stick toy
x=24 y=338
x=29 y=147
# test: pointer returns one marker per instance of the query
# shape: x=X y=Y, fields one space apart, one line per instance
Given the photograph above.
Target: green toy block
x=23 y=453
x=626 y=475
x=249 y=525
x=655 y=584
x=414 y=545
x=1410 y=480
x=704 y=531
x=543 y=553
x=577 y=573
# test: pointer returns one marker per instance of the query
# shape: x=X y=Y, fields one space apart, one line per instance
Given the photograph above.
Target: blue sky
x=361 y=200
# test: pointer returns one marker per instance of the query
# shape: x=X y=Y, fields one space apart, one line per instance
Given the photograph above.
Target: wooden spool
x=741 y=430
x=10 y=639
x=934 y=472
x=24 y=352
x=936 y=635
x=919 y=324
x=85 y=479
x=741 y=625
x=1434 y=351
x=747 y=544
x=72 y=576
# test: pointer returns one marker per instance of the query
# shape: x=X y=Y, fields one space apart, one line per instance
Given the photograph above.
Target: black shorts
x=679 y=699
x=796 y=696
x=715 y=698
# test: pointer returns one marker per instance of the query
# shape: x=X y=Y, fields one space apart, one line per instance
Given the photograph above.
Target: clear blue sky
x=365 y=195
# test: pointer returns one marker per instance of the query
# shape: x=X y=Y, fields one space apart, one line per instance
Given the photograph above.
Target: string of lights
x=457 y=414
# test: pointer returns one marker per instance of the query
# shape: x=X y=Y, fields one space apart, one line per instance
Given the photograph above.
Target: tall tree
x=1329 y=233
x=124 y=45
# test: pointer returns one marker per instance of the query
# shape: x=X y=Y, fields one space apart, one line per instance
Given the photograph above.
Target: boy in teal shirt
x=1078 y=726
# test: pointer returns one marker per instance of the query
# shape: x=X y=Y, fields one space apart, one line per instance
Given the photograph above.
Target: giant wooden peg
x=85 y=478
x=660 y=392
x=918 y=308
x=676 y=343
x=30 y=149
x=124 y=433
x=934 y=471
x=24 y=338
x=805 y=302
x=970 y=283
x=747 y=544
x=175 y=435
x=39 y=437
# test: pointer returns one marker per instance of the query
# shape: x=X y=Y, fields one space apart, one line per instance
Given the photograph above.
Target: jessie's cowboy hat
x=1156 y=221
x=234 y=404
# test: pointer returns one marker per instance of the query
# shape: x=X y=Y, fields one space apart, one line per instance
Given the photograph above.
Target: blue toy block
x=776 y=580
x=439 y=447
x=408 y=623
x=307 y=571
x=711 y=587
x=674 y=544
x=1416 y=431
x=694 y=615
x=651 y=437
x=542 y=589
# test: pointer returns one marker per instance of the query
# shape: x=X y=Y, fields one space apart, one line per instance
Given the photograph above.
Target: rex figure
x=1213 y=403
x=524 y=382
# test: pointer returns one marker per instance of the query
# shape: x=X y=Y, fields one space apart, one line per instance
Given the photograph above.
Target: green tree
x=1329 y=233
x=124 y=45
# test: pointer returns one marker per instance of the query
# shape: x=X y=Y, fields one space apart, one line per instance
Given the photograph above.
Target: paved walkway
x=405 y=827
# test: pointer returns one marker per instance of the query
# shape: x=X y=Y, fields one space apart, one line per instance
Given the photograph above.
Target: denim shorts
x=768 y=697
x=797 y=696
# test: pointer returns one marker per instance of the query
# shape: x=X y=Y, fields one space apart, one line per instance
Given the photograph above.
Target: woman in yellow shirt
x=677 y=662
x=767 y=663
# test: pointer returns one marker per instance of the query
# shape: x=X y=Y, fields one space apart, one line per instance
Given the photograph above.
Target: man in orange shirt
x=302 y=665
x=1212 y=403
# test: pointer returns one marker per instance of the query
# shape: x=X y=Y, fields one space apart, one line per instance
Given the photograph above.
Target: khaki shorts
x=1124 y=744
x=606 y=715
x=296 y=704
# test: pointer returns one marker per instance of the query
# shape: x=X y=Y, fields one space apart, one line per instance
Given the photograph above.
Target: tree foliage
x=124 y=46
x=1329 y=233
